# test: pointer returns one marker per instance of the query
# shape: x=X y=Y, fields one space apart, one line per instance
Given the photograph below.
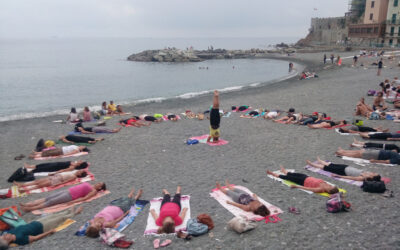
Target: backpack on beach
x=336 y=204
x=374 y=186
x=371 y=92
x=21 y=174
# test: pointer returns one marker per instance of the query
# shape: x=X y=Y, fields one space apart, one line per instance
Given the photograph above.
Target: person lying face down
x=93 y=130
x=78 y=193
x=150 y=118
x=170 y=213
x=134 y=121
x=306 y=182
x=66 y=150
x=37 y=229
x=243 y=200
x=374 y=156
x=112 y=214
x=345 y=171
x=79 y=139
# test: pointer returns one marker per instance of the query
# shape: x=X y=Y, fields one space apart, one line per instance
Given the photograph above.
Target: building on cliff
x=392 y=33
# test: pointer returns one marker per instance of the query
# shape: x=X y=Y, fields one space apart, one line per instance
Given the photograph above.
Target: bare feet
x=78 y=210
x=165 y=191
x=228 y=185
x=218 y=185
x=272 y=173
x=308 y=162
x=283 y=170
x=17 y=184
x=178 y=189
x=140 y=192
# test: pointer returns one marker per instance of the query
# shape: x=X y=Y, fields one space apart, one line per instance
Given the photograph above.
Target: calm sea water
x=48 y=76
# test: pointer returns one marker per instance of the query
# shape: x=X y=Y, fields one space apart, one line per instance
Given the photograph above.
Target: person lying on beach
x=373 y=155
x=312 y=119
x=37 y=229
x=252 y=114
x=215 y=120
x=71 y=139
x=66 y=150
x=240 y=108
x=87 y=116
x=363 y=109
x=42 y=145
x=149 y=118
x=111 y=108
x=290 y=117
x=172 y=117
x=73 y=116
x=396 y=103
x=360 y=144
x=191 y=115
x=360 y=129
x=379 y=102
x=63 y=166
x=78 y=193
x=170 y=213
x=327 y=124
x=345 y=171
x=243 y=200
x=112 y=214
x=271 y=114
x=306 y=182
x=51 y=181
x=381 y=136
x=93 y=130
x=134 y=121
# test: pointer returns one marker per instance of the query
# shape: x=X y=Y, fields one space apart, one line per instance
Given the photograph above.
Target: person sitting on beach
x=71 y=139
x=271 y=114
x=75 y=194
x=172 y=117
x=149 y=118
x=361 y=129
x=58 y=167
x=215 y=120
x=111 y=108
x=51 y=181
x=109 y=216
x=381 y=136
x=104 y=109
x=290 y=117
x=134 y=121
x=119 y=110
x=306 y=182
x=87 y=117
x=37 y=229
x=73 y=116
x=363 y=109
x=374 y=156
x=93 y=130
x=170 y=213
x=379 y=102
x=65 y=151
x=345 y=171
x=327 y=124
x=243 y=200
x=360 y=144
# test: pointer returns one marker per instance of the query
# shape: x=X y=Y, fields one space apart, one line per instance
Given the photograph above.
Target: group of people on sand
x=87 y=115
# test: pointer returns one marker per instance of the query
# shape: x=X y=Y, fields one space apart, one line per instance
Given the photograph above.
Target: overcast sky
x=162 y=18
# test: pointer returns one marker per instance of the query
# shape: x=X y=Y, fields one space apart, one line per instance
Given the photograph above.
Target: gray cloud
x=162 y=18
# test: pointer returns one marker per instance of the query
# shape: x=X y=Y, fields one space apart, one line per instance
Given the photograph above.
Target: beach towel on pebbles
x=329 y=174
x=151 y=227
x=362 y=162
x=61 y=207
x=124 y=223
x=60 y=156
x=203 y=139
x=289 y=183
x=237 y=212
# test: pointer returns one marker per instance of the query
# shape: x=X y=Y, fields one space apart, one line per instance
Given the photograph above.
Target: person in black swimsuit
x=327 y=124
x=71 y=139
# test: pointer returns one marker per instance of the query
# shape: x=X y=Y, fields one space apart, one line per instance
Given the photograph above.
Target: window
x=390 y=41
x=394 y=16
x=371 y=16
x=391 y=31
x=372 y=4
x=396 y=3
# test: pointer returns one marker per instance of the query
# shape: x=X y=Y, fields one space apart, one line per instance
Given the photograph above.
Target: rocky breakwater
x=176 y=55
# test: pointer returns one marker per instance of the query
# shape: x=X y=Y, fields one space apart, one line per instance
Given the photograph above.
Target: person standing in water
x=215 y=119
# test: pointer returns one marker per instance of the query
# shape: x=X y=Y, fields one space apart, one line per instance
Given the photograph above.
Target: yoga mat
x=61 y=207
x=151 y=227
x=60 y=156
x=124 y=223
x=66 y=223
x=203 y=139
x=362 y=162
x=237 y=212
x=289 y=183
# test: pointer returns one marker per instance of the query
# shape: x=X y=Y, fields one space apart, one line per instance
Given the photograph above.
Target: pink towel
x=60 y=207
x=203 y=139
x=60 y=156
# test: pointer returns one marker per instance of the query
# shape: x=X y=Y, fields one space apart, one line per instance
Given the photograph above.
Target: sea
x=42 y=77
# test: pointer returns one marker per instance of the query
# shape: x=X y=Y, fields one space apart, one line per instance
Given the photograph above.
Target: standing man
x=324 y=58
x=332 y=57
x=380 y=65
x=355 y=59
